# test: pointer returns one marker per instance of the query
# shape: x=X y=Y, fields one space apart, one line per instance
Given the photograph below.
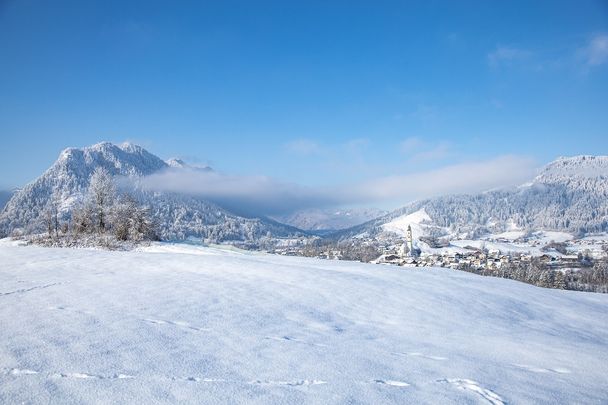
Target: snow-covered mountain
x=330 y=219
x=180 y=164
x=178 y=216
x=577 y=172
x=569 y=195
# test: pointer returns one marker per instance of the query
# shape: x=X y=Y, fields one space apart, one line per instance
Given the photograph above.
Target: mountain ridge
x=330 y=219
x=568 y=194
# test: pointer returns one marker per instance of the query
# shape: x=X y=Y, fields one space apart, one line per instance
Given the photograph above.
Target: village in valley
x=562 y=255
x=488 y=254
x=476 y=258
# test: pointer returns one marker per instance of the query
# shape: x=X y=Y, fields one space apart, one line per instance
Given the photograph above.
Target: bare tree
x=56 y=202
x=123 y=215
x=132 y=221
x=48 y=219
x=143 y=225
x=102 y=192
x=82 y=218
x=51 y=215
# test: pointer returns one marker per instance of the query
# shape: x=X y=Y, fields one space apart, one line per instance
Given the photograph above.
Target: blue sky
x=314 y=93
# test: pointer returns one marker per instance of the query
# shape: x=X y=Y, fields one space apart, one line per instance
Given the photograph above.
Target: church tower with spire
x=409 y=240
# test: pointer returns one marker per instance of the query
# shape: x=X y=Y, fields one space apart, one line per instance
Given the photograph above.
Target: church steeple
x=409 y=240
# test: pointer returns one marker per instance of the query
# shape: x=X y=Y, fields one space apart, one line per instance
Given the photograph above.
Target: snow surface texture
x=177 y=323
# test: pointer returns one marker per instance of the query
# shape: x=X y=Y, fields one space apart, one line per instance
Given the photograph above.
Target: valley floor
x=176 y=323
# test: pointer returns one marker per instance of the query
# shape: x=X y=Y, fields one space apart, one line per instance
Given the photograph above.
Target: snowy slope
x=416 y=220
x=185 y=324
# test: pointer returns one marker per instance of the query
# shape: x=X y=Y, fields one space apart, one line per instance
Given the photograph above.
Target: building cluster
x=477 y=259
x=571 y=254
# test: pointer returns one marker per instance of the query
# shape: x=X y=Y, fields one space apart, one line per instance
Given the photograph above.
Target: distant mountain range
x=178 y=216
x=330 y=219
x=569 y=195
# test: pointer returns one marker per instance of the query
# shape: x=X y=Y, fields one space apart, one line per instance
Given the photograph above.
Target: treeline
x=344 y=250
x=102 y=216
x=535 y=272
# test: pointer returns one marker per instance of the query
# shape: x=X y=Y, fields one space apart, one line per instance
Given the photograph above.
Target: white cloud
x=411 y=144
x=506 y=55
x=418 y=150
x=356 y=145
x=461 y=178
x=303 y=146
x=250 y=194
x=455 y=40
x=265 y=196
x=591 y=54
x=438 y=152
x=425 y=113
x=497 y=103
x=596 y=52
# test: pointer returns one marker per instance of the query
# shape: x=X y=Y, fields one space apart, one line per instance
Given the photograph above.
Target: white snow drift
x=173 y=323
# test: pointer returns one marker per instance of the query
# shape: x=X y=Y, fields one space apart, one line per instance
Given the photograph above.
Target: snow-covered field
x=177 y=323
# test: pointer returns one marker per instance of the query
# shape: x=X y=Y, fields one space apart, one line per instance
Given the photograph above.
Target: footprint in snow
x=199 y=379
x=473 y=386
x=17 y=371
x=64 y=308
x=424 y=356
x=181 y=324
x=295 y=383
x=24 y=290
x=155 y=321
x=393 y=383
x=542 y=370
x=86 y=376
x=292 y=339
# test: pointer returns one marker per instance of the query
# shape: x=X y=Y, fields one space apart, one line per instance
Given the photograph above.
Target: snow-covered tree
x=132 y=221
x=50 y=214
x=560 y=281
x=102 y=193
x=82 y=218
x=123 y=213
